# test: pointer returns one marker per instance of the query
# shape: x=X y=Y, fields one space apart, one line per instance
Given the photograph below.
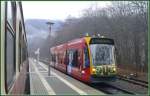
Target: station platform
x=57 y=83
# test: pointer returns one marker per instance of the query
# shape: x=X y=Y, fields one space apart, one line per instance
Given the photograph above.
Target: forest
x=124 y=21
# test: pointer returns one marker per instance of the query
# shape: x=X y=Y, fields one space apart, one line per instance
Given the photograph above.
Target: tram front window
x=102 y=54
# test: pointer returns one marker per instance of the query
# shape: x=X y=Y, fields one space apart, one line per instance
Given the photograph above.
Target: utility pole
x=49 y=25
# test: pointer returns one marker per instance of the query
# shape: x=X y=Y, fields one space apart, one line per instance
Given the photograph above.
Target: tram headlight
x=94 y=70
x=83 y=72
x=114 y=69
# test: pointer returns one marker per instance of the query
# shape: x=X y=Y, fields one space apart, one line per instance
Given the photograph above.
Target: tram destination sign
x=101 y=41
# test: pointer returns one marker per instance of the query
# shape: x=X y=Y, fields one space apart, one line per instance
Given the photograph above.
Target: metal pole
x=50 y=24
x=49 y=70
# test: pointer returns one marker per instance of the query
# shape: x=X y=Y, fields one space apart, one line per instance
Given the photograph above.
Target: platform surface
x=57 y=83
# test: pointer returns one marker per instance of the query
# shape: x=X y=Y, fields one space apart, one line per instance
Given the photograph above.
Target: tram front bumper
x=96 y=79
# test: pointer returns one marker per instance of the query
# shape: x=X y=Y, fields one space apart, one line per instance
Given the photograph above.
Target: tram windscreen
x=102 y=54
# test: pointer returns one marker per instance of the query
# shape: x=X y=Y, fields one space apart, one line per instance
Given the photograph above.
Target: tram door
x=76 y=64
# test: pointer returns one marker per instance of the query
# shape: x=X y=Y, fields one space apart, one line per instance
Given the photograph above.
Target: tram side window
x=23 y=54
x=79 y=57
x=64 y=56
x=58 y=58
x=11 y=13
x=20 y=47
x=23 y=50
x=67 y=58
x=10 y=44
x=10 y=57
x=70 y=57
x=86 y=58
x=75 y=59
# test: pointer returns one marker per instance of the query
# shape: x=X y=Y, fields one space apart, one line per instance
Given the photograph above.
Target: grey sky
x=57 y=9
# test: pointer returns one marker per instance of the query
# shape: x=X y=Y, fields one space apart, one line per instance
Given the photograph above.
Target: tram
x=89 y=59
x=14 y=55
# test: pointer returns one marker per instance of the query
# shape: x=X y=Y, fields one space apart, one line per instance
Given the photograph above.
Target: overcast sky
x=57 y=9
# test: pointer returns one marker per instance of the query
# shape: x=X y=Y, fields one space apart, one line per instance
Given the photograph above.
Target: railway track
x=134 y=81
x=109 y=89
